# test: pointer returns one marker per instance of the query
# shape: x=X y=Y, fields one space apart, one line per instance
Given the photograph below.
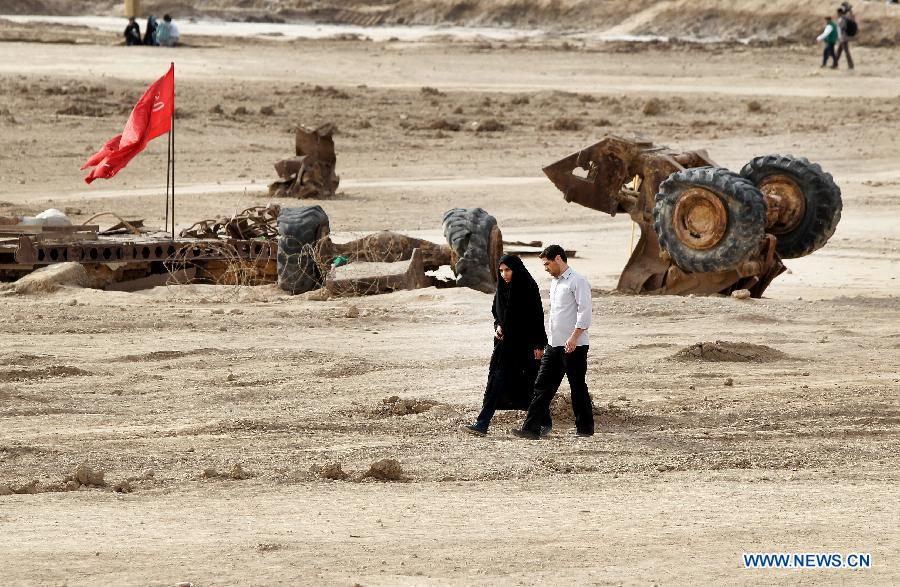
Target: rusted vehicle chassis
x=123 y=258
x=144 y=250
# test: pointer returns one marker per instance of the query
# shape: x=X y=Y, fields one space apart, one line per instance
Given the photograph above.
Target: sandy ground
x=686 y=473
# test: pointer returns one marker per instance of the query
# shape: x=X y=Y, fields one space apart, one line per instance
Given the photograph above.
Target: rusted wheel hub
x=785 y=201
x=700 y=218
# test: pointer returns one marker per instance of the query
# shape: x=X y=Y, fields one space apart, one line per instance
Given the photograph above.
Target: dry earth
x=217 y=414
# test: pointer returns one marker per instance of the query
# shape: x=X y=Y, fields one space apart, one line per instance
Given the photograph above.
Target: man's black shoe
x=474 y=430
x=584 y=434
x=526 y=434
x=545 y=431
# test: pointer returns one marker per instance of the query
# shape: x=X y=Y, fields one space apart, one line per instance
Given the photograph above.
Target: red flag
x=151 y=117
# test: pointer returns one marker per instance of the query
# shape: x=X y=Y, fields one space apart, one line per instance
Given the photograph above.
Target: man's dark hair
x=554 y=251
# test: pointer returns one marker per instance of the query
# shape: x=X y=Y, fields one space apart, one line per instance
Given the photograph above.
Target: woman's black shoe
x=474 y=430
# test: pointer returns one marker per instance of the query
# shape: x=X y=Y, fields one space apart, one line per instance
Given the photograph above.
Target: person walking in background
x=830 y=37
x=132 y=32
x=167 y=33
x=150 y=31
x=847 y=28
x=566 y=353
x=519 y=341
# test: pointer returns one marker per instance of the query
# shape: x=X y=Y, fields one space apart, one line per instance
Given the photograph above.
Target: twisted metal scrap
x=253 y=223
x=311 y=173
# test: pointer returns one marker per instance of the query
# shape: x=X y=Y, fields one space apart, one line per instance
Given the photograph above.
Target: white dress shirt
x=570 y=307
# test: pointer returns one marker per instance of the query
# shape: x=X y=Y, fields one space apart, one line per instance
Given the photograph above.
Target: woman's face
x=505 y=273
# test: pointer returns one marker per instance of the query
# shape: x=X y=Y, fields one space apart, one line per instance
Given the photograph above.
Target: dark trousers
x=556 y=363
x=844 y=47
x=500 y=379
x=829 y=52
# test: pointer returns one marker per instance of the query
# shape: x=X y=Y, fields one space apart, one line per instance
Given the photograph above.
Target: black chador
x=519 y=313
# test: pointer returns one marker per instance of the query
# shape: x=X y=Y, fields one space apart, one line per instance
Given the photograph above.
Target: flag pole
x=172 y=148
x=172 y=136
x=168 y=167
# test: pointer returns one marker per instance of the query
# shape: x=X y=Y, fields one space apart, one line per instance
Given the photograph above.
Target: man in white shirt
x=566 y=352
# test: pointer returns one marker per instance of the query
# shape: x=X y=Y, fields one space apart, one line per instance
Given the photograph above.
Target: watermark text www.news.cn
x=807 y=560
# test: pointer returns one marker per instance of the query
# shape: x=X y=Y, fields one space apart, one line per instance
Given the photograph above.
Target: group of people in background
x=839 y=31
x=164 y=34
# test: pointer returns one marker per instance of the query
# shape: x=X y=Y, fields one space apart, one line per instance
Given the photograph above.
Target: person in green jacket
x=831 y=35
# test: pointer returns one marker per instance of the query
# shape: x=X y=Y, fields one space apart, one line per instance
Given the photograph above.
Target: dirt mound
x=237 y=473
x=397 y=406
x=165 y=355
x=42 y=373
x=87 y=475
x=22 y=358
x=723 y=351
x=78 y=109
x=329 y=92
x=489 y=125
x=27 y=488
x=385 y=470
x=52 y=278
x=441 y=124
x=605 y=415
x=565 y=124
x=347 y=367
x=332 y=471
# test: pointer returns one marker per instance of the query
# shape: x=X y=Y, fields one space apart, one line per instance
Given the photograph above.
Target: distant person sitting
x=150 y=31
x=132 y=32
x=830 y=37
x=167 y=33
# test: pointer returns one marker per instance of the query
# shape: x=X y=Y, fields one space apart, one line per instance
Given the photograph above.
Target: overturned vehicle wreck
x=704 y=229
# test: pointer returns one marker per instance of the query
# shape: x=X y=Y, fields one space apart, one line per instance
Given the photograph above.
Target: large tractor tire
x=804 y=202
x=709 y=219
x=299 y=231
x=476 y=244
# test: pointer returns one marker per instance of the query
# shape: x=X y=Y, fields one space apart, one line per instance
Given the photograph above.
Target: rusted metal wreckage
x=311 y=173
x=265 y=244
x=128 y=252
x=704 y=229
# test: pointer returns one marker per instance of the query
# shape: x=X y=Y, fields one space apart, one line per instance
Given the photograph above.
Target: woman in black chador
x=519 y=341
